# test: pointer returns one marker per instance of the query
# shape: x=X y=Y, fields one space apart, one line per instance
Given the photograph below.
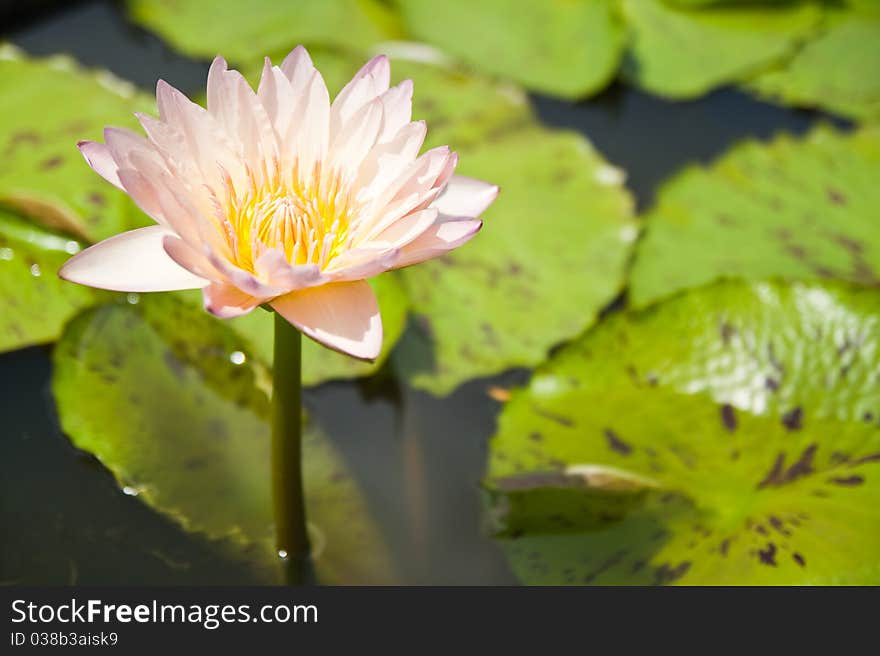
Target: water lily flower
x=279 y=196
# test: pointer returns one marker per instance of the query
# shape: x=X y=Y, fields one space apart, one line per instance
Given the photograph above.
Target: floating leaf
x=571 y=49
x=838 y=71
x=461 y=109
x=320 y=364
x=796 y=208
x=679 y=53
x=736 y=429
x=34 y=303
x=151 y=390
x=49 y=105
x=551 y=254
x=244 y=31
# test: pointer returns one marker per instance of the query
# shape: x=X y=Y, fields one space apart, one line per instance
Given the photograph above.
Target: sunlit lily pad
x=241 y=31
x=681 y=53
x=730 y=435
x=550 y=255
x=571 y=49
x=320 y=364
x=838 y=71
x=49 y=105
x=154 y=392
x=797 y=208
x=34 y=302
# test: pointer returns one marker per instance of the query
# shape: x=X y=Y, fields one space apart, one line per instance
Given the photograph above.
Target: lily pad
x=320 y=364
x=49 y=105
x=34 y=303
x=570 y=49
x=551 y=254
x=244 y=31
x=795 y=208
x=153 y=390
x=838 y=71
x=680 y=53
x=730 y=435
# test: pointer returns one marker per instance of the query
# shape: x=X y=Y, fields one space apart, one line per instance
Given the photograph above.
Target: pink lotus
x=282 y=197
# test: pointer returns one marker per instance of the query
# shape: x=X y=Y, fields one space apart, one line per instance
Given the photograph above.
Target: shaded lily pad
x=838 y=71
x=570 y=49
x=681 y=53
x=730 y=435
x=797 y=208
x=243 y=31
x=34 y=303
x=320 y=364
x=550 y=255
x=152 y=391
x=49 y=105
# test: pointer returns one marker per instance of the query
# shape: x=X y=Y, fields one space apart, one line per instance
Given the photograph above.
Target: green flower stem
x=287 y=481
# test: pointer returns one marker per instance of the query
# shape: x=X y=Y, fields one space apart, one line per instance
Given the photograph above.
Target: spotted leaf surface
x=836 y=71
x=680 y=53
x=154 y=391
x=730 y=435
x=48 y=106
x=794 y=208
x=550 y=255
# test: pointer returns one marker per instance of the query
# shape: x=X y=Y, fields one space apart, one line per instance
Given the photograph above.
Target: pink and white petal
x=443 y=237
x=299 y=69
x=397 y=109
x=404 y=231
x=98 y=156
x=308 y=137
x=273 y=268
x=342 y=316
x=413 y=182
x=357 y=138
x=218 y=90
x=191 y=259
x=363 y=262
x=244 y=280
x=277 y=97
x=133 y=261
x=465 y=196
x=227 y=301
x=367 y=84
x=124 y=144
x=206 y=141
x=387 y=162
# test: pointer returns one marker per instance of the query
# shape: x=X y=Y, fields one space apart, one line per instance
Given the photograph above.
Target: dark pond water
x=420 y=459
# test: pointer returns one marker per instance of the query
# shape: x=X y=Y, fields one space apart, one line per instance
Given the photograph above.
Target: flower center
x=307 y=216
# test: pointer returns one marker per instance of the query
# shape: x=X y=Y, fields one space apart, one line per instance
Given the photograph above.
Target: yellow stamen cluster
x=307 y=215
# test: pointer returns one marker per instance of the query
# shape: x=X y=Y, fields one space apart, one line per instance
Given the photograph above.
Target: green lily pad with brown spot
x=799 y=208
x=321 y=364
x=48 y=106
x=241 y=31
x=34 y=303
x=836 y=71
x=730 y=435
x=679 y=53
x=150 y=390
x=569 y=49
x=551 y=254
